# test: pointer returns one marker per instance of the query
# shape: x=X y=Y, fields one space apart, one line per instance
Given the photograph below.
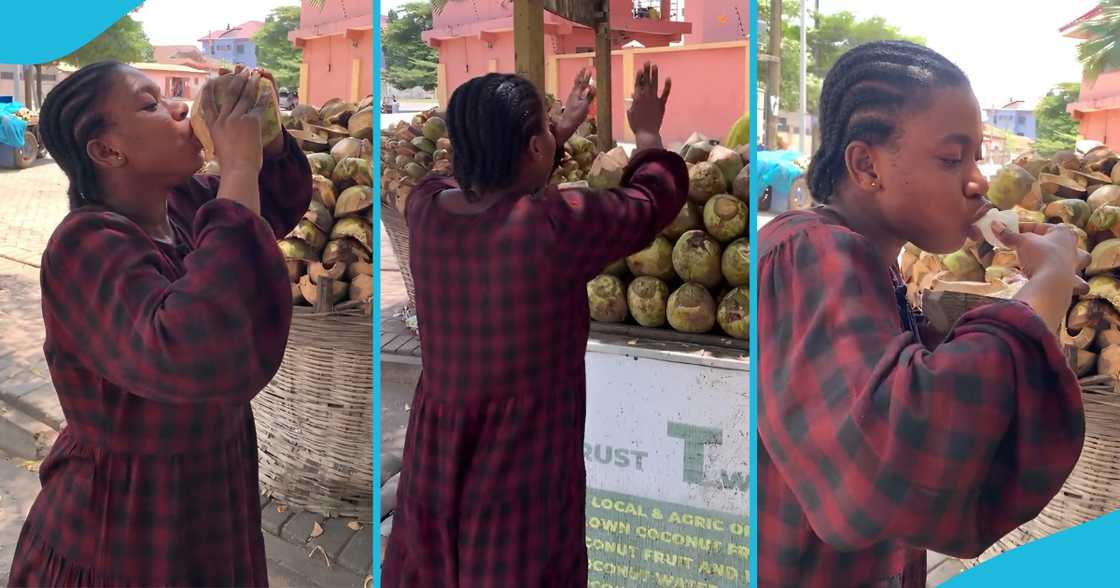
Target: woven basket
x=397 y=228
x=1093 y=489
x=315 y=418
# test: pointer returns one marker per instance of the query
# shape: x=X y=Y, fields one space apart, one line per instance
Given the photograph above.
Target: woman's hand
x=236 y=131
x=1051 y=260
x=576 y=106
x=647 y=109
x=276 y=146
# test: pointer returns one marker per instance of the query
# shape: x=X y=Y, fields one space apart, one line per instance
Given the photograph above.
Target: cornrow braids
x=70 y=119
x=864 y=93
x=490 y=120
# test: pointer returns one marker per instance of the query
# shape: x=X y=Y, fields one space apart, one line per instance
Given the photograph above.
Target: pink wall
x=1103 y=126
x=699 y=101
x=715 y=21
x=333 y=11
x=191 y=87
x=1106 y=86
x=329 y=67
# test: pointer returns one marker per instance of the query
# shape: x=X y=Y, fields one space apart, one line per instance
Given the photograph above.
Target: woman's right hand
x=236 y=128
x=647 y=109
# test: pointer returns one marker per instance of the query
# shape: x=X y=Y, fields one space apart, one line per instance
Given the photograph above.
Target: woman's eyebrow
x=959 y=138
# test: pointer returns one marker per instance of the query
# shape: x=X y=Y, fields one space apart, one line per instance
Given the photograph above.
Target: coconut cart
x=1083 y=192
x=19 y=135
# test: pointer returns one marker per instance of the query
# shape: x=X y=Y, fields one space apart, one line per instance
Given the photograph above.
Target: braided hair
x=491 y=120
x=70 y=118
x=862 y=96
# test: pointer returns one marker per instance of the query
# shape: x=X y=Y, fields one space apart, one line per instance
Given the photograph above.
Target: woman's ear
x=859 y=160
x=104 y=155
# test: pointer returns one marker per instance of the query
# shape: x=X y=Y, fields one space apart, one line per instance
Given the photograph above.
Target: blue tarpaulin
x=11 y=128
x=778 y=170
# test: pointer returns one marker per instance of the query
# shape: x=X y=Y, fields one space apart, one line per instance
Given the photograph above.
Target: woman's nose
x=977 y=185
x=179 y=109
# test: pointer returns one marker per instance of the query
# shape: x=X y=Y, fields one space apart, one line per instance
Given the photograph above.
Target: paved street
x=32 y=202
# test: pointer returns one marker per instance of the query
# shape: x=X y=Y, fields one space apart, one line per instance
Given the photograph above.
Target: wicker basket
x=315 y=418
x=397 y=228
x=1093 y=488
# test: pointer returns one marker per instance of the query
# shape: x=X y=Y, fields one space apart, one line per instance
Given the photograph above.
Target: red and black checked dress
x=493 y=485
x=155 y=352
x=873 y=448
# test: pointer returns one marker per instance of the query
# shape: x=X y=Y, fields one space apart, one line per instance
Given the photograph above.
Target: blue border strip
x=753 y=374
x=74 y=24
x=376 y=339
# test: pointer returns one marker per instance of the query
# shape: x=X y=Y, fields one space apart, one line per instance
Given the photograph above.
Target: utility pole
x=774 y=74
x=802 y=146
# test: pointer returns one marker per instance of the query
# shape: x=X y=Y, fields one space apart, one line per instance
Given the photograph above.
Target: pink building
x=174 y=80
x=1098 y=106
x=337 y=44
x=188 y=55
x=709 y=71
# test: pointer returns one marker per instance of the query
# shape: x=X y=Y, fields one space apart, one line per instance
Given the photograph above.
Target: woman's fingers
x=248 y=97
x=665 y=93
x=206 y=102
x=1036 y=228
x=1080 y=286
x=1083 y=259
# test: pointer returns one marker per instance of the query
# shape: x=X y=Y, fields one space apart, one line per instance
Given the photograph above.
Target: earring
x=874 y=184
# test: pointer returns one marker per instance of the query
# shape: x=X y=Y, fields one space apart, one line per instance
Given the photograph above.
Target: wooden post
x=528 y=40
x=304 y=84
x=355 y=78
x=603 y=122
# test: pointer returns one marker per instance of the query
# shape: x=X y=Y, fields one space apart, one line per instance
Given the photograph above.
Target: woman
x=873 y=447
x=167 y=307
x=492 y=487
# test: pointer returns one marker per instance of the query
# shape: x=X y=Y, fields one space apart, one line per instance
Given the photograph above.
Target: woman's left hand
x=576 y=106
x=276 y=146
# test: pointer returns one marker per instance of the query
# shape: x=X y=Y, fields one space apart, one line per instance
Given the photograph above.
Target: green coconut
x=733 y=313
x=1010 y=185
x=691 y=309
x=655 y=260
x=735 y=263
x=434 y=128
x=1105 y=257
x=697 y=258
x=725 y=217
x=688 y=218
x=1069 y=210
x=606 y=296
x=963 y=267
x=648 y=298
x=266 y=95
x=727 y=160
x=321 y=163
x=704 y=181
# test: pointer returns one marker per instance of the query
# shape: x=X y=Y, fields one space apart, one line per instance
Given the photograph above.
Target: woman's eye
x=950 y=162
x=152 y=107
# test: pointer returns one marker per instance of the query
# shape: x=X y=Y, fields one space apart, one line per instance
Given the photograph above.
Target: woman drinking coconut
x=492 y=488
x=167 y=306
x=878 y=443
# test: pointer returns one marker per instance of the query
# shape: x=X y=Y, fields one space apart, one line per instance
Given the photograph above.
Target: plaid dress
x=155 y=351
x=493 y=485
x=873 y=448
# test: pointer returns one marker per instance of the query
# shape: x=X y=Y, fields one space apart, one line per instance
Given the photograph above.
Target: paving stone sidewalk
x=33 y=203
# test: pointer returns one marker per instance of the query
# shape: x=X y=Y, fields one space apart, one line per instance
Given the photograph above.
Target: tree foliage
x=1100 y=51
x=411 y=62
x=827 y=38
x=1056 y=129
x=274 y=51
x=125 y=41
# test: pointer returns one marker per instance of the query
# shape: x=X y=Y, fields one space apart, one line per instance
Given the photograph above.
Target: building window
x=6 y=75
x=240 y=49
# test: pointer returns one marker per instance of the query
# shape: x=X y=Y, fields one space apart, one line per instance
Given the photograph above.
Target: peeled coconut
x=607 y=298
x=1009 y=218
x=691 y=309
x=733 y=313
x=687 y=219
x=725 y=217
x=351 y=147
x=735 y=263
x=655 y=260
x=1069 y=210
x=357 y=228
x=307 y=232
x=1105 y=257
x=698 y=151
x=647 y=297
x=963 y=267
x=1009 y=186
x=607 y=169
x=321 y=163
x=322 y=189
x=1109 y=195
x=360 y=124
x=728 y=162
x=697 y=258
x=704 y=181
x=266 y=95
x=317 y=271
x=319 y=215
x=355 y=200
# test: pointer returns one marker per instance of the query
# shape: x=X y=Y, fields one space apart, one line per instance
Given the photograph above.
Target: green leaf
x=410 y=61
x=124 y=41
x=274 y=51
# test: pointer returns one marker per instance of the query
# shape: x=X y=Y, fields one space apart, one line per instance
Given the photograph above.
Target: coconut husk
x=316 y=271
x=296 y=268
x=307 y=232
x=360 y=124
x=292 y=248
x=353 y=201
x=345 y=250
x=359 y=268
x=361 y=287
x=356 y=228
x=310 y=290
x=310 y=140
x=319 y=215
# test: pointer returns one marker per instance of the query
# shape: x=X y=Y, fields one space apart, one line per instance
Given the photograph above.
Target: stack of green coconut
x=412 y=149
x=694 y=275
x=1082 y=193
x=335 y=237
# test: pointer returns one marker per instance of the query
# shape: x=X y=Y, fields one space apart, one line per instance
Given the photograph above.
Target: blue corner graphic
x=73 y=25
x=1080 y=556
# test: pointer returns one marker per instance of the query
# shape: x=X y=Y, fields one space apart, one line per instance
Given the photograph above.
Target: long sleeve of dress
x=215 y=334
x=881 y=439
x=285 y=187
x=595 y=228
